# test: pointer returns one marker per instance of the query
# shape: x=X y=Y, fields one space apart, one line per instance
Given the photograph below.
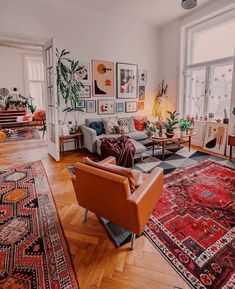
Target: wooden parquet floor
x=97 y=263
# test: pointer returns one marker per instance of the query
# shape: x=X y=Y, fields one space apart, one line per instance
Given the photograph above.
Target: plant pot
x=182 y=133
x=225 y=120
x=169 y=134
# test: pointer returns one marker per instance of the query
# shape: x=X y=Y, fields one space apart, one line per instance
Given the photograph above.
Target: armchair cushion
x=134 y=177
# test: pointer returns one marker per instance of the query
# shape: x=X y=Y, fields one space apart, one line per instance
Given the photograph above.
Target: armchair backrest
x=102 y=192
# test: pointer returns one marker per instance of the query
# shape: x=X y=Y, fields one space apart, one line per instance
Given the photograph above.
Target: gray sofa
x=92 y=142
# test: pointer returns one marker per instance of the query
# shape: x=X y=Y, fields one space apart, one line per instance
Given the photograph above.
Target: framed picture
x=143 y=77
x=131 y=106
x=140 y=105
x=91 y=106
x=103 y=78
x=120 y=107
x=141 y=92
x=85 y=92
x=215 y=137
x=126 y=80
x=81 y=104
x=83 y=73
x=105 y=106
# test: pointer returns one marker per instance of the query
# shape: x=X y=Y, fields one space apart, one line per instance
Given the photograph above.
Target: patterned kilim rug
x=21 y=135
x=33 y=251
x=193 y=225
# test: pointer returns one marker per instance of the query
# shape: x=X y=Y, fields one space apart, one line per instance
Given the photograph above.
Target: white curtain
x=36 y=80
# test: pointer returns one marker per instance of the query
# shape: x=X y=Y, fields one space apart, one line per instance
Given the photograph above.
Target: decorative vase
x=183 y=133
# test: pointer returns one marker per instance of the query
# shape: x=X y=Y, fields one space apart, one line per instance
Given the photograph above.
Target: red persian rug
x=33 y=251
x=193 y=225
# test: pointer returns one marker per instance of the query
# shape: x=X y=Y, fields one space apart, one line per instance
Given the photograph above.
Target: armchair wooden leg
x=85 y=215
x=133 y=235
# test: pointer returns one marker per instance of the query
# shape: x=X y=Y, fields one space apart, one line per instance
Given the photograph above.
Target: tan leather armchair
x=108 y=195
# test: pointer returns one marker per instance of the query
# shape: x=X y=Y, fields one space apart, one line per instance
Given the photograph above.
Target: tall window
x=209 y=66
x=35 y=80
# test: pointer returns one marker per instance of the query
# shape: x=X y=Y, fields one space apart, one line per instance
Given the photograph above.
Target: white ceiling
x=156 y=12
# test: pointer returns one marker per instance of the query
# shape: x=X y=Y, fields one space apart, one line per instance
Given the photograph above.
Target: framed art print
x=83 y=73
x=141 y=92
x=143 y=77
x=103 y=78
x=120 y=107
x=126 y=80
x=81 y=104
x=85 y=92
x=131 y=106
x=105 y=106
x=215 y=137
x=91 y=106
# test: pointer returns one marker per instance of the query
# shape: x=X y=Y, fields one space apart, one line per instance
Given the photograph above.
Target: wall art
x=103 y=78
x=126 y=80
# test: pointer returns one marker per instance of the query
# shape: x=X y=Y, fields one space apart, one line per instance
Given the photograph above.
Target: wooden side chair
x=231 y=143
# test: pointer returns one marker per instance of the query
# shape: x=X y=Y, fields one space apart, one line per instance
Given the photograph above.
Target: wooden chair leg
x=133 y=235
x=230 y=155
x=85 y=215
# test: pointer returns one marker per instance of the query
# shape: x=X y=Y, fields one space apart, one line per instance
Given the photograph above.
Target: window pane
x=35 y=68
x=36 y=91
x=220 y=86
x=212 y=40
x=195 y=91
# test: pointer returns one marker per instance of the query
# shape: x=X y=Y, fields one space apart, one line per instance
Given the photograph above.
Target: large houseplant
x=68 y=85
x=184 y=125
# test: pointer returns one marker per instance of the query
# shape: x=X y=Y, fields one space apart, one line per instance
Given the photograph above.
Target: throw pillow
x=129 y=122
x=109 y=124
x=121 y=129
x=98 y=127
x=139 y=124
x=135 y=177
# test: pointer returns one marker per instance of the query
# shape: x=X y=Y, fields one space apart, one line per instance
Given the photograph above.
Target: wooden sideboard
x=8 y=118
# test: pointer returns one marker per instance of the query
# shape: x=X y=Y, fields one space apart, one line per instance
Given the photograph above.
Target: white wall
x=170 y=47
x=11 y=69
x=88 y=35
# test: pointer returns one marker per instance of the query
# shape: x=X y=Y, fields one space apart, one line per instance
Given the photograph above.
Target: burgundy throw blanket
x=121 y=148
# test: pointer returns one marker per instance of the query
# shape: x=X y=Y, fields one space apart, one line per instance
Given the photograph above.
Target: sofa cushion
x=135 y=177
x=128 y=122
x=139 y=124
x=137 y=135
x=109 y=124
x=98 y=127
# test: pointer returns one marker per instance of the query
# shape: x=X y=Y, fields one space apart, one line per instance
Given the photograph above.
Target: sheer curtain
x=35 y=85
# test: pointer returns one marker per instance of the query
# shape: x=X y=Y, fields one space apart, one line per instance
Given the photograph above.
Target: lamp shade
x=189 y=4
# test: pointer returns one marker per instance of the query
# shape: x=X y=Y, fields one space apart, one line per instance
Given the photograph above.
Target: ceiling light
x=189 y=4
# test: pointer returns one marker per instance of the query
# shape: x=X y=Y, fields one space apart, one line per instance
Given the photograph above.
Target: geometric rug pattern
x=33 y=250
x=175 y=158
x=193 y=225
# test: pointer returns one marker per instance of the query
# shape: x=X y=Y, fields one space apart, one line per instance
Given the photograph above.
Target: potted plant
x=184 y=125
x=171 y=123
x=68 y=85
x=150 y=129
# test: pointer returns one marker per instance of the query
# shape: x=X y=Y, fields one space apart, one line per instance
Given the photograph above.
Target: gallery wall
x=88 y=35
x=170 y=47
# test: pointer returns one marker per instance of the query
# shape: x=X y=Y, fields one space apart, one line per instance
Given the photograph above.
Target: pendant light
x=189 y=4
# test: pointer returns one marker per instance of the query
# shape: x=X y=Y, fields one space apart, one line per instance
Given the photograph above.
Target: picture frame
x=102 y=78
x=85 y=92
x=84 y=73
x=120 y=107
x=105 y=106
x=141 y=93
x=81 y=104
x=131 y=106
x=91 y=106
x=126 y=80
x=142 y=77
x=215 y=137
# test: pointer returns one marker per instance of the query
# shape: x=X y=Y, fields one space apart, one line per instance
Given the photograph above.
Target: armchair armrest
x=108 y=160
x=89 y=138
x=144 y=199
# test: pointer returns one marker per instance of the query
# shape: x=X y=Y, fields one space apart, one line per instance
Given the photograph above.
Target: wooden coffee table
x=175 y=139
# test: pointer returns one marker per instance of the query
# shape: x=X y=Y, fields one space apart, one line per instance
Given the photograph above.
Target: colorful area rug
x=33 y=251
x=13 y=136
x=193 y=225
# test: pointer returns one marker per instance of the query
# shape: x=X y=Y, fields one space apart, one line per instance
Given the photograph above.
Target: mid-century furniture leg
x=189 y=143
x=133 y=235
x=163 y=150
x=153 y=147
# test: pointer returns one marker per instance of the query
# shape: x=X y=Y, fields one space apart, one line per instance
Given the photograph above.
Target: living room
x=133 y=183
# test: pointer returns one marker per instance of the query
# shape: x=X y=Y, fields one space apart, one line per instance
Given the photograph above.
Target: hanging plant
x=68 y=85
